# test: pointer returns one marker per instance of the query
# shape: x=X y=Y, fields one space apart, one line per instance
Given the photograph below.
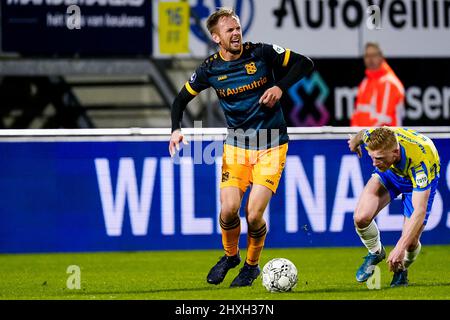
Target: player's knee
x=255 y=218
x=361 y=221
x=229 y=210
x=255 y=222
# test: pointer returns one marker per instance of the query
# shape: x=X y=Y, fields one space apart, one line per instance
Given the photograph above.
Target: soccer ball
x=279 y=275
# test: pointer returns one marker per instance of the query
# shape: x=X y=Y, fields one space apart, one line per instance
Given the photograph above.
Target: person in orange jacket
x=380 y=97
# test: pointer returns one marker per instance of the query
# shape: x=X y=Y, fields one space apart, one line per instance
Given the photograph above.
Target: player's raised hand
x=174 y=143
x=354 y=146
x=271 y=96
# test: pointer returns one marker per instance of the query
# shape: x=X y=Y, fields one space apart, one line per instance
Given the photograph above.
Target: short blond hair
x=382 y=139
x=214 y=18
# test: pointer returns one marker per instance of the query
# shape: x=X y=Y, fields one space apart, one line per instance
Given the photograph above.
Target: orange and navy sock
x=230 y=235
x=255 y=244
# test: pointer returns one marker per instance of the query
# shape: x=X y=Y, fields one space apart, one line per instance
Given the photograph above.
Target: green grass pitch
x=323 y=274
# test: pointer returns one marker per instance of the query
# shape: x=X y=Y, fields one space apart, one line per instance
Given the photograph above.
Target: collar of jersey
x=402 y=163
x=240 y=54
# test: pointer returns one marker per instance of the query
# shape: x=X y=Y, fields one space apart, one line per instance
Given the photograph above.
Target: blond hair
x=382 y=139
x=214 y=18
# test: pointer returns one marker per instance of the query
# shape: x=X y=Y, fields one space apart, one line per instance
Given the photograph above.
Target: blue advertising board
x=77 y=196
x=77 y=28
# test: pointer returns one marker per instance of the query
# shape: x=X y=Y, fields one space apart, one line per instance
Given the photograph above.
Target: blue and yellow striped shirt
x=420 y=160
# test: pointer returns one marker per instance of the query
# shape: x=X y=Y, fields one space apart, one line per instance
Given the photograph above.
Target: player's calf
x=411 y=254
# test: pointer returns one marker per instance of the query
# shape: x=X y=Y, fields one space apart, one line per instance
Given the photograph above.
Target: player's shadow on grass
x=300 y=291
x=206 y=288
x=304 y=291
x=363 y=288
x=444 y=284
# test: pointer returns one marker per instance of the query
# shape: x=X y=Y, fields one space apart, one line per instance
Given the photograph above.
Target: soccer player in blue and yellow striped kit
x=406 y=162
x=249 y=80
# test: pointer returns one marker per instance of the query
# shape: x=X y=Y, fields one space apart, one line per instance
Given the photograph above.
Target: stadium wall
x=118 y=190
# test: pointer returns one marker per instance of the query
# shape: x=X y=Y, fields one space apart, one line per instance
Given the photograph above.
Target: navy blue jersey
x=239 y=84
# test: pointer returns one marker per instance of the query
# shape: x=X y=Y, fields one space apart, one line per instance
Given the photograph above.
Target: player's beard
x=233 y=50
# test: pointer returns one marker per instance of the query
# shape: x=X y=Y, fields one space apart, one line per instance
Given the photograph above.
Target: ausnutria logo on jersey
x=250 y=86
x=89 y=3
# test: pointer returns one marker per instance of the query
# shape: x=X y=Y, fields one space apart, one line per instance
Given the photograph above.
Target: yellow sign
x=173 y=27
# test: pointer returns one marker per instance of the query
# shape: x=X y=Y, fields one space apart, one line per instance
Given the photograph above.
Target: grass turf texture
x=323 y=274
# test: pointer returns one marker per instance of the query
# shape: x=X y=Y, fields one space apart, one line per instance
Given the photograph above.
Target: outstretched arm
x=178 y=107
x=411 y=229
x=198 y=82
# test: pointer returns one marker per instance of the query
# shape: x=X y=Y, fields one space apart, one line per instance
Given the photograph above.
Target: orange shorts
x=242 y=167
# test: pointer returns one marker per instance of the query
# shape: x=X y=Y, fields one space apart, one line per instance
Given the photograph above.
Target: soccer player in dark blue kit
x=249 y=79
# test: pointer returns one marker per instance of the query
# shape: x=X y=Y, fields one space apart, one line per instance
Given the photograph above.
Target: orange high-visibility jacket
x=380 y=99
